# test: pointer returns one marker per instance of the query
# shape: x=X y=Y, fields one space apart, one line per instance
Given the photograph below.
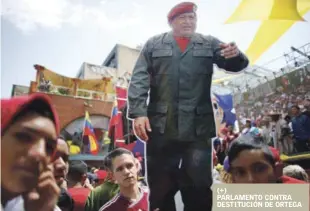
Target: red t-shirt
x=182 y=42
x=230 y=137
x=79 y=196
x=120 y=203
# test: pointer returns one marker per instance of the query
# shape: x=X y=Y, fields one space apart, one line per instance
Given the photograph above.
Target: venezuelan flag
x=116 y=124
x=114 y=120
x=89 y=134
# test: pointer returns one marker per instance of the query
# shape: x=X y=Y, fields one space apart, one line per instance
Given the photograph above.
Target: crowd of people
x=250 y=160
x=282 y=119
x=173 y=74
x=289 y=135
x=45 y=179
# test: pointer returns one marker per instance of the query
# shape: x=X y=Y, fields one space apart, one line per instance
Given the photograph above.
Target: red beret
x=11 y=107
x=181 y=8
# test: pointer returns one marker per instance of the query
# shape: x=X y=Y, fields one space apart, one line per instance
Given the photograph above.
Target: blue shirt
x=301 y=127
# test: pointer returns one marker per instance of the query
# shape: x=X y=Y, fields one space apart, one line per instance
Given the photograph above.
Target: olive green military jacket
x=178 y=85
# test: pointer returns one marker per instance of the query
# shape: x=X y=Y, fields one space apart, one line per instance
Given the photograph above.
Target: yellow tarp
x=270 y=31
x=266 y=10
x=57 y=80
x=98 y=85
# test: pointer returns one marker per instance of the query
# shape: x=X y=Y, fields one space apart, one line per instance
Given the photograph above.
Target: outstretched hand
x=229 y=50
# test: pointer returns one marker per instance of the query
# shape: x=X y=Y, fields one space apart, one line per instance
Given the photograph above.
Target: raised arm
x=235 y=60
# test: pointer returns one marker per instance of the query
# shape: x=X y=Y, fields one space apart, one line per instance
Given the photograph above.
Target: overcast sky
x=62 y=34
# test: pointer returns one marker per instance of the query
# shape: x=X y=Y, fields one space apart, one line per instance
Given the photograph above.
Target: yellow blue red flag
x=89 y=134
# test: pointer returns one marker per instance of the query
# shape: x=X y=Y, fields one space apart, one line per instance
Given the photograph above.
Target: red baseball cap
x=12 y=107
x=184 y=7
x=101 y=174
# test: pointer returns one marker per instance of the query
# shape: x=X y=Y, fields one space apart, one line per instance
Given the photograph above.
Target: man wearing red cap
x=29 y=129
x=175 y=71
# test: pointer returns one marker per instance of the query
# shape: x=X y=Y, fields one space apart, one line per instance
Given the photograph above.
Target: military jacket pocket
x=203 y=60
x=162 y=59
x=159 y=53
x=158 y=117
x=204 y=53
x=204 y=121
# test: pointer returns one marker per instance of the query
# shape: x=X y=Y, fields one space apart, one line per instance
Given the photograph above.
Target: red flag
x=121 y=95
x=116 y=124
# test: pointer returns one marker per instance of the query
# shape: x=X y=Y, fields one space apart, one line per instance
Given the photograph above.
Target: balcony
x=80 y=93
x=93 y=95
x=50 y=82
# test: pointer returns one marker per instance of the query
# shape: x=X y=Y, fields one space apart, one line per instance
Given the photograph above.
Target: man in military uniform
x=175 y=71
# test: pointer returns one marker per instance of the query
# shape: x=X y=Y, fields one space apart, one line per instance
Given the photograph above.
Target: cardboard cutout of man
x=175 y=71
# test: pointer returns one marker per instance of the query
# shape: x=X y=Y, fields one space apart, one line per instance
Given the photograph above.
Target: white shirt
x=17 y=204
x=216 y=176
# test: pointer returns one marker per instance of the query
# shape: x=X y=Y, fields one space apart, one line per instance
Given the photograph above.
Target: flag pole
x=83 y=129
x=84 y=124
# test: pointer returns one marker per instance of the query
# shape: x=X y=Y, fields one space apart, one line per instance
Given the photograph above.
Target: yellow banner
x=98 y=85
x=266 y=10
x=56 y=79
x=271 y=31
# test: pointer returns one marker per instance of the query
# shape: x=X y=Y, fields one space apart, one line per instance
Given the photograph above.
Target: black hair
x=113 y=154
x=295 y=106
x=287 y=118
x=247 y=142
x=77 y=169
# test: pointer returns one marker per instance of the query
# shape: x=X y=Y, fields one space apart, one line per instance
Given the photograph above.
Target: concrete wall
x=97 y=72
x=127 y=58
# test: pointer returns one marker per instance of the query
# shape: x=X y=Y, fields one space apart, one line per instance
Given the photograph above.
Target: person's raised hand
x=45 y=196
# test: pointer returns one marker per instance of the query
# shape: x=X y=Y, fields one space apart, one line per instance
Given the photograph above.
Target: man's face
x=248 y=124
x=27 y=147
x=251 y=166
x=295 y=111
x=61 y=164
x=230 y=128
x=184 y=24
x=125 y=170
